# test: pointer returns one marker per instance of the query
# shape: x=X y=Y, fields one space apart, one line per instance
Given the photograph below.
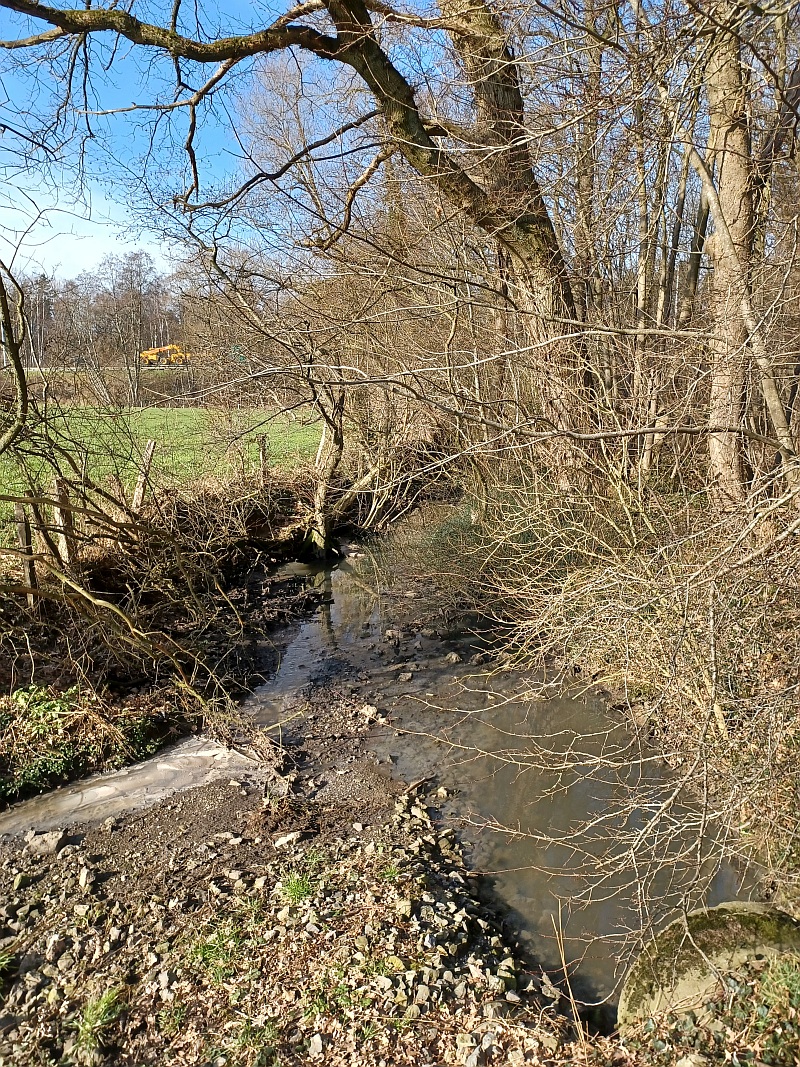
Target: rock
x=315 y=1046
x=45 y=844
x=406 y=676
x=694 y=1059
x=423 y=994
x=683 y=963
x=86 y=878
x=31 y=961
x=452 y=657
x=56 y=946
x=287 y=839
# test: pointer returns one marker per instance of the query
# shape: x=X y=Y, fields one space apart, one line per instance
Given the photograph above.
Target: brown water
x=586 y=839
x=580 y=831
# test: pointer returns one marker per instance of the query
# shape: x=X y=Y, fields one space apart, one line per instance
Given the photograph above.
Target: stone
x=287 y=839
x=315 y=1045
x=681 y=967
x=31 y=961
x=45 y=844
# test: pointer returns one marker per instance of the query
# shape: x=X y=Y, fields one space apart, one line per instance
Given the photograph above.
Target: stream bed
x=575 y=827
x=581 y=835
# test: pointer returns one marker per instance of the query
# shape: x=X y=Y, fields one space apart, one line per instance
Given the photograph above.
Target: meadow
x=193 y=445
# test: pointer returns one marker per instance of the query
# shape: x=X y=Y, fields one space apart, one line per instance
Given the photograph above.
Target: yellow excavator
x=167 y=355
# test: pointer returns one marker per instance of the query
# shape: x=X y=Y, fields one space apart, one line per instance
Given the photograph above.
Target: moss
x=685 y=958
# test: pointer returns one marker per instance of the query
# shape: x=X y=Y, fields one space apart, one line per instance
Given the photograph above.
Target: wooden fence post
x=26 y=545
x=144 y=473
x=263 y=456
x=62 y=521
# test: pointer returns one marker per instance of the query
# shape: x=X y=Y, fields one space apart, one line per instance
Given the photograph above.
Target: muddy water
x=575 y=825
x=578 y=829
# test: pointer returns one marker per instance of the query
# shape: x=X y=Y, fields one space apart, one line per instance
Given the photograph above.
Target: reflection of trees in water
x=583 y=830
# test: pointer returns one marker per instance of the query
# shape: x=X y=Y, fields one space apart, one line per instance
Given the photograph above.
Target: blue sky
x=70 y=223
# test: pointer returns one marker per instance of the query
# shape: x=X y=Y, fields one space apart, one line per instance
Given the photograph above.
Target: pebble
x=315 y=1045
x=287 y=839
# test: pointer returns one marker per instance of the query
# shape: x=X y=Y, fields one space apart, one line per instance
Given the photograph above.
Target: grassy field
x=193 y=445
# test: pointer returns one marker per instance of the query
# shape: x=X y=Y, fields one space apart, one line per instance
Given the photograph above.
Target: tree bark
x=729 y=133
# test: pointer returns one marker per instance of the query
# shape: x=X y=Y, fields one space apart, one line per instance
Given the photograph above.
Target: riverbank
x=224 y=926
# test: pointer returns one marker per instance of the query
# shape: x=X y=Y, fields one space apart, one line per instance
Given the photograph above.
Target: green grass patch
x=296 y=887
x=96 y=1017
x=192 y=445
x=218 y=953
x=48 y=738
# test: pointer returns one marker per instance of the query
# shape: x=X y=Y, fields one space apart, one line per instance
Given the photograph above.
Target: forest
x=504 y=293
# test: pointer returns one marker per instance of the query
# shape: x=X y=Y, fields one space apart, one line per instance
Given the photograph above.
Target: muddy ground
x=292 y=915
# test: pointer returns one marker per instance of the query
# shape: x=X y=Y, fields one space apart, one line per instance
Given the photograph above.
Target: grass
x=297 y=887
x=48 y=737
x=97 y=1016
x=192 y=444
x=172 y=1018
x=218 y=953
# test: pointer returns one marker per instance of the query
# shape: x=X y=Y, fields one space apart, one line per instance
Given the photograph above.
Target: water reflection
x=584 y=835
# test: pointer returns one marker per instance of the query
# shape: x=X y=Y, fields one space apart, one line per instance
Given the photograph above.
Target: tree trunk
x=730 y=136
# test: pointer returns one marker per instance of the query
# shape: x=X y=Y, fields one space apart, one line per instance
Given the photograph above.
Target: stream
x=583 y=837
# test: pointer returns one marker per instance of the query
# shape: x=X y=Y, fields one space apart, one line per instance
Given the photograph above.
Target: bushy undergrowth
x=47 y=738
x=689 y=618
